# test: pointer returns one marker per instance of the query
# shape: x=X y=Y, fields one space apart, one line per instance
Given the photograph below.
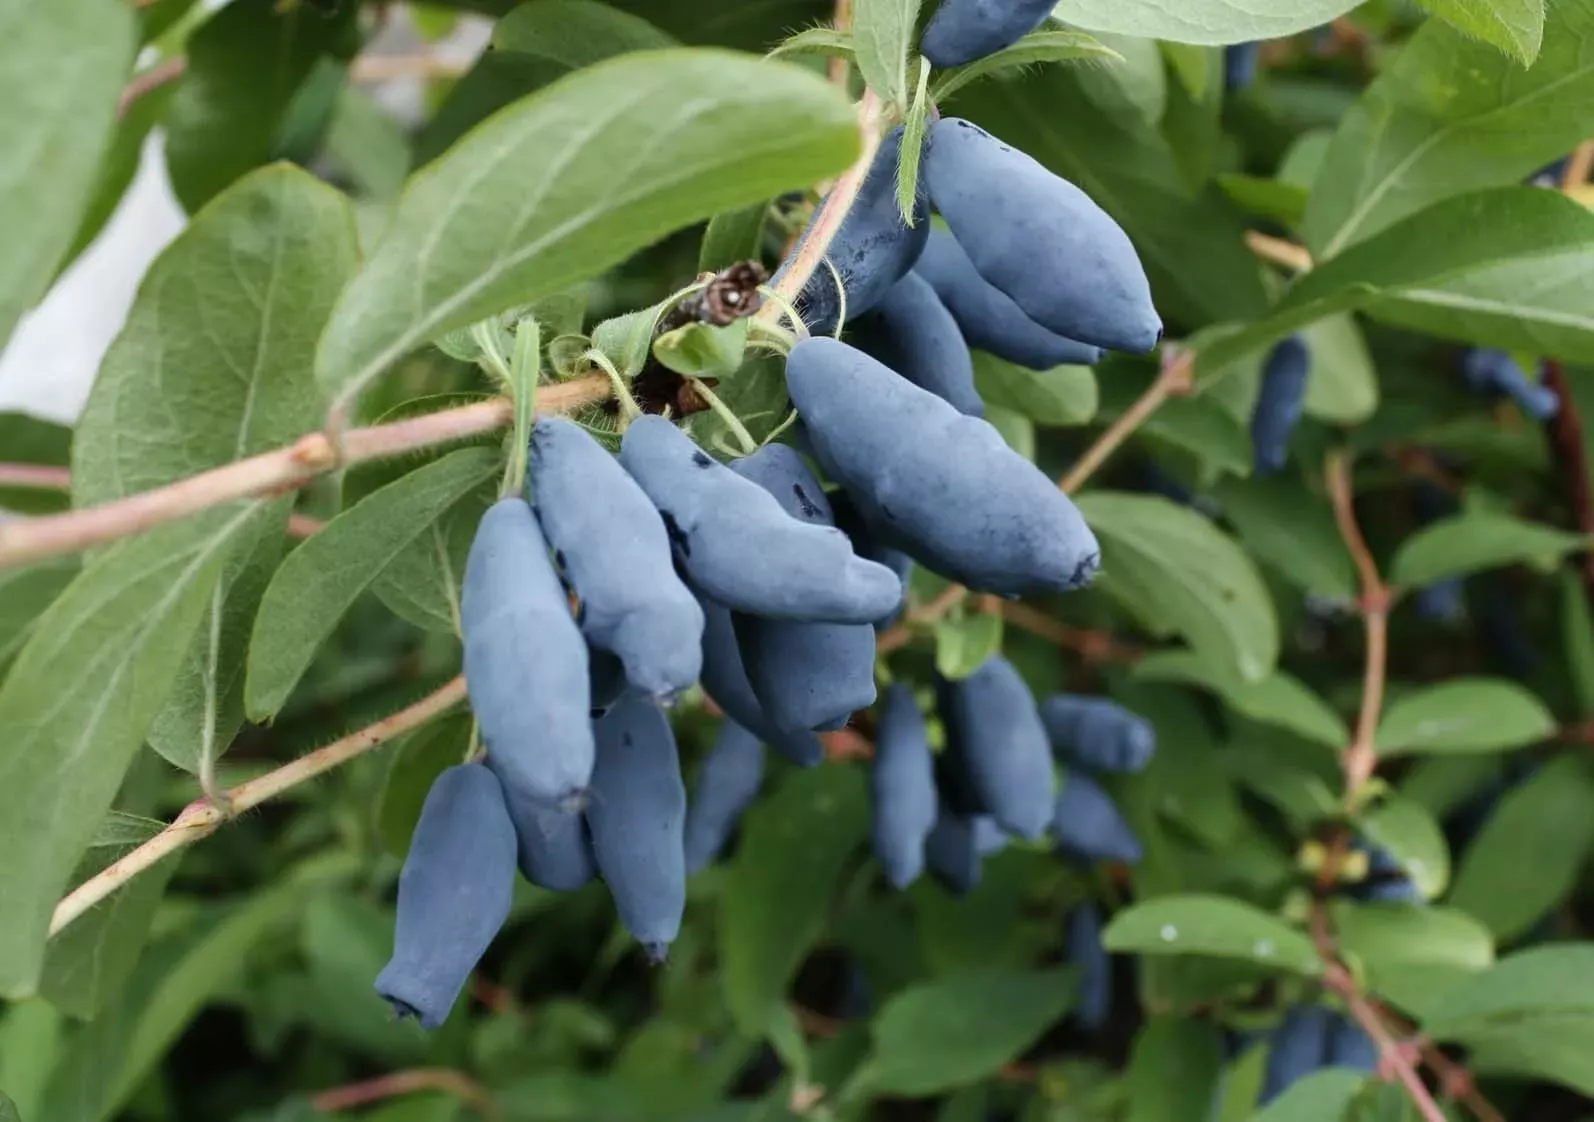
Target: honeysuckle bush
x=1343 y=510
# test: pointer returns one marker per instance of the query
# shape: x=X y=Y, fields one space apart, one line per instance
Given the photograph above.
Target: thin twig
x=35 y=477
x=385 y=68
x=1178 y=367
x=1093 y=645
x=1361 y=756
x=1565 y=431
x=302 y=525
x=147 y=81
x=200 y=819
x=1579 y=166
x=828 y=218
x=283 y=469
x=400 y=1083
x=1278 y=251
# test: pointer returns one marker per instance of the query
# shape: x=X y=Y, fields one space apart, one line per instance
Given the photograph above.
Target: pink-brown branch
x=283 y=469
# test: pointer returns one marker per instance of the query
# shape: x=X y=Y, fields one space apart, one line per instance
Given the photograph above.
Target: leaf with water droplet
x=1214 y=926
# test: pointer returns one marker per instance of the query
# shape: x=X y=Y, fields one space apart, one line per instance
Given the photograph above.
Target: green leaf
x=1544 y=981
x=1405 y=829
x=1476 y=540
x=61 y=69
x=961 y=1028
x=1503 y=268
x=1187 y=779
x=24 y=595
x=1321 y=1096
x=421 y=758
x=735 y=235
x=965 y=642
x=1049 y=44
x=214 y=365
x=318 y=581
x=78 y=702
x=1412 y=955
x=30 y=1044
x=1577 y=639
x=231 y=108
x=1191 y=244
x=8 y=1109
x=423 y=582
x=1528 y=855
x=1283 y=525
x=1179 y=574
x=1343 y=387
x=911 y=151
x=1174 y=1062
x=787 y=868
x=1463 y=715
x=1279 y=699
x=701 y=350
x=1449 y=115
x=882 y=36
x=1211 y=22
x=113 y=1055
x=1553 y=1047
x=574 y=179
x=1064 y=395
x=367 y=146
x=818 y=41
x=1265 y=198
x=1017 y=429
x=1212 y=926
x=1515 y=26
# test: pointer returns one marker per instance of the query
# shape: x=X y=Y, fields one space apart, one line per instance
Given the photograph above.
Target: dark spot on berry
x=677 y=536
x=702 y=460
x=807 y=505
x=885 y=512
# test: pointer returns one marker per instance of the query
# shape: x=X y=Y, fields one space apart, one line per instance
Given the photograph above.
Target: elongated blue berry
x=1493 y=372
x=637 y=818
x=962 y=31
x=1086 y=952
x=1239 y=65
x=950 y=853
x=1040 y=239
x=987 y=317
x=1087 y=823
x=719 y=523
x=525 y=660
x=912 y=332
x=454 y=893
x=1298 y=1047
x=903 y=785
x=944 y=487
x=727 y=783
x=725 y=680
x=1098 y=733
x=867 y=544
x=552 y=846
x=612 y=547
x=995 y=733
x=1350 y=1046
x=805 y=675
x=871 y=251
x=1279 y=403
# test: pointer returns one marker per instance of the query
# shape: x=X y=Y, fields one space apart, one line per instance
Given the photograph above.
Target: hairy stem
x=200 y=819
x=35 y=477
x=1278 y=251
x=815 y=244
x=283 y=469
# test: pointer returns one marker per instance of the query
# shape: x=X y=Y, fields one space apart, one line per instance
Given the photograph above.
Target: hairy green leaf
x=573 y=179
x=1213 y=926
x=1463 y=715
